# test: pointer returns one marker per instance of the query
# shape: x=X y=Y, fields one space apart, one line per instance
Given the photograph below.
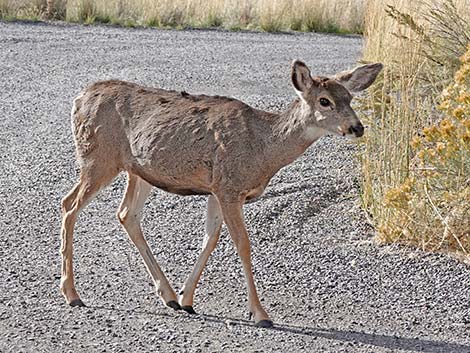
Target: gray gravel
x=326 y=284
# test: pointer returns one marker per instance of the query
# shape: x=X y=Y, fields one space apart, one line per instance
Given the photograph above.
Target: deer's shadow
x=372 y=339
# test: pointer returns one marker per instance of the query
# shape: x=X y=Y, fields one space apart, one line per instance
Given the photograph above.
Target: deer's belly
x=176 y=177
x=181 y=190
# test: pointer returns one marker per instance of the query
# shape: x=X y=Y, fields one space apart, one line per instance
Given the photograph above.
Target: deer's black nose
x=357 y=130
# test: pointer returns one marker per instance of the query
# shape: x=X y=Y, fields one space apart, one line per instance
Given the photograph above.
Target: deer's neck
x=293 y=132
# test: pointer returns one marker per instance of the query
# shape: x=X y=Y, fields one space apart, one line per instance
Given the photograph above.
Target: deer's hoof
x=264 y=323
x=189 y=309
x=174 y=305
x=77 y=302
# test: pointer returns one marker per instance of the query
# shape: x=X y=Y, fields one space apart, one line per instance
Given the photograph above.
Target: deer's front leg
x=233 y=217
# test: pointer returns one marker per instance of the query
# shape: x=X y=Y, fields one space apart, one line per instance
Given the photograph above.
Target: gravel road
x=326 y=284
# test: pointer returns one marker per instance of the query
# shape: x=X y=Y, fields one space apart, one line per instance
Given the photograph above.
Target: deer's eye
x=324 y=102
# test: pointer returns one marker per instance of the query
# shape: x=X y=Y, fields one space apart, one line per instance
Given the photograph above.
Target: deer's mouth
x=353 y=131
x=340 y=131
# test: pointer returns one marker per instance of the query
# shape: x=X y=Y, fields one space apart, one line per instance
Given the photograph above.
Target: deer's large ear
x=301 y=78
x=359 y=78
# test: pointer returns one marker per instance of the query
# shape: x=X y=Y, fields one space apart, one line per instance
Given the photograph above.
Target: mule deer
x=196 y=144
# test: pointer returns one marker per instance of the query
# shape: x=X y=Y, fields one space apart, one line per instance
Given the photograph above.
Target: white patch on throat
x=313 y=133
x=319 y=116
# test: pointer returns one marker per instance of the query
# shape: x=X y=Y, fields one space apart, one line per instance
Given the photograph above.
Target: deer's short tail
x=83 y=130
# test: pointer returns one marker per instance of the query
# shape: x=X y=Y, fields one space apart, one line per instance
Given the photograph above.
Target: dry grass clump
x=23 y=9
x=338 y=16
x=417 y=193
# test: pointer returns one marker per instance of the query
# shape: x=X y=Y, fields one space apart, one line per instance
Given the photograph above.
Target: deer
x=197 y=145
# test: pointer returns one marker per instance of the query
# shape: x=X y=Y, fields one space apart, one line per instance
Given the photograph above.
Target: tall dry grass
x=268 y=15
x=420 y=44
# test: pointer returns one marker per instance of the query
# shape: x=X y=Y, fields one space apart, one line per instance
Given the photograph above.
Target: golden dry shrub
x=431 y=208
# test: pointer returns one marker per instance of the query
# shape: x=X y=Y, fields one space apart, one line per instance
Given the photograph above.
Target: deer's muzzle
x=356 y=130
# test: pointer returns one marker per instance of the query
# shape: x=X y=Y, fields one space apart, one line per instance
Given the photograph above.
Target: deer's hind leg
x=214 y=222
x=92 y=179
x=129 y=214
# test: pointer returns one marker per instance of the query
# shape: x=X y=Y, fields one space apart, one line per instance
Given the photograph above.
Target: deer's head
x=328 y=99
